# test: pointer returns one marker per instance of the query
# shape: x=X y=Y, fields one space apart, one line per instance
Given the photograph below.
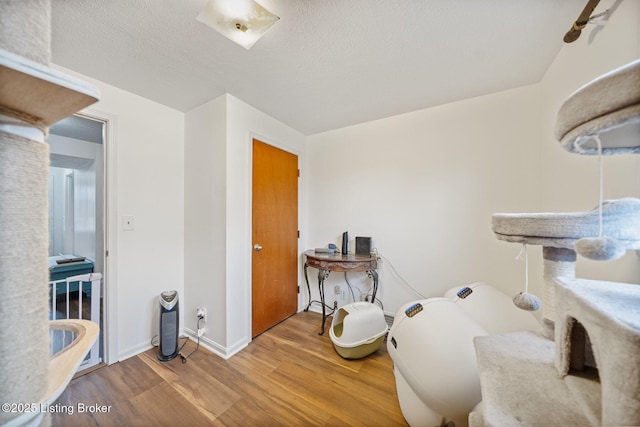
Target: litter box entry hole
x=338 y=327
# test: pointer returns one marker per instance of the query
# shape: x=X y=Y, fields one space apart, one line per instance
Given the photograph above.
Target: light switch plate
x=128 y=223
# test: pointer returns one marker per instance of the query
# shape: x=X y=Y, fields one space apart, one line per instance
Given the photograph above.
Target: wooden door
x=274 y=265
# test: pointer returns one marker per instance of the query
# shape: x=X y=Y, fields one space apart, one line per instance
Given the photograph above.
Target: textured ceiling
x=326 y=64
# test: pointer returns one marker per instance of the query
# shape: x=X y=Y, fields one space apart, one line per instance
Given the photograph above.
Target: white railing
x=82 y=282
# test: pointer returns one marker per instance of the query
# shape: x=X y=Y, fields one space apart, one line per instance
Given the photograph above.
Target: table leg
x=373 y=274
x=322 y=274
x=306 y=279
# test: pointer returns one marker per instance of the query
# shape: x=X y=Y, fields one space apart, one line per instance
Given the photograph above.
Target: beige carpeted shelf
x=30 y=89
x=521 y=387
x=608 y=106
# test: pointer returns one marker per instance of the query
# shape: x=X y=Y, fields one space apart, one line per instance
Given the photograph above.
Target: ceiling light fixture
x=241 y=21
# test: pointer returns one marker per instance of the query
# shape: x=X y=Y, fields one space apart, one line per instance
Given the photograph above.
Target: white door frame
x=110 y=318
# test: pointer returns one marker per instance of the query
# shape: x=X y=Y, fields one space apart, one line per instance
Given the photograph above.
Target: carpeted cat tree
x=32 y=97
x=584 y=367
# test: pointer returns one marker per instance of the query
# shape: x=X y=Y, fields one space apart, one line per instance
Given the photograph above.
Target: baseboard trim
x=214 y=347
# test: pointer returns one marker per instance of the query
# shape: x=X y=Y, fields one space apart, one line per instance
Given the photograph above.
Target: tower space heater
x=168 y=332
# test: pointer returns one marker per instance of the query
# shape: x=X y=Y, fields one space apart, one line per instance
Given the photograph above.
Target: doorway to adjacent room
x=77 y=223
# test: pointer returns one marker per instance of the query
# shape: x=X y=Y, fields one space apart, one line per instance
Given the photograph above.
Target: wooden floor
x=288 y=376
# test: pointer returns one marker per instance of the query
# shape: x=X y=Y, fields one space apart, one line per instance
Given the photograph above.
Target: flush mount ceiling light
x=242 y=21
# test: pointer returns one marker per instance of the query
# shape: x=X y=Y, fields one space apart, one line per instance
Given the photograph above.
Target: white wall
x=218 y=136
x=205 y=256
x=245 y=123
x=149 y=184
x=570 y=182
x=423 y=185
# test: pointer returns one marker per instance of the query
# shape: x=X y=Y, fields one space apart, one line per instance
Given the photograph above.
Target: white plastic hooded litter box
x=358 y=329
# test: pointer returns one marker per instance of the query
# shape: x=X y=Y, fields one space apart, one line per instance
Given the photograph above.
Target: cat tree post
x=24 y=334
x=557 y=263
x=32 y=97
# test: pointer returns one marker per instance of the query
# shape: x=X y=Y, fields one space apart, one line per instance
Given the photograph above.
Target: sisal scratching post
x=557 y=263
x=25 y=29
x=24 y=334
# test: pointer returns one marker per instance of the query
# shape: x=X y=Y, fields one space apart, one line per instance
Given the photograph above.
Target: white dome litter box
x=358 y=329
x=431 y=345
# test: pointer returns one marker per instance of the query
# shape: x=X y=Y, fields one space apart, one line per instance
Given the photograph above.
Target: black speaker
x=363 y=246
x=169 y=322
x=345 y=243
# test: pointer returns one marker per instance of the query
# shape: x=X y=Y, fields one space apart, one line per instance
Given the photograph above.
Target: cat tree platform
x=520 y=385
x=621 y=220
x=558 y=232
x=608 y=106
x=39 y=94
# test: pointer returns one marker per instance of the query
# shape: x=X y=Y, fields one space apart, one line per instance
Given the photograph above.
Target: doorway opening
x=77 y=224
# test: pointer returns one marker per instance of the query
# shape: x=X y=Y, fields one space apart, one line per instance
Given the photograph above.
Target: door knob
x=257 y=247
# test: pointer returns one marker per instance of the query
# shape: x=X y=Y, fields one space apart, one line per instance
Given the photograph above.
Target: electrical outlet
x=343 y=294
x=201 y=332
x=336 y=289
x=201 y=313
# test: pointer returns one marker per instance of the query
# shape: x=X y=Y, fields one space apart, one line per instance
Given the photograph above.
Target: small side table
x=326 y=263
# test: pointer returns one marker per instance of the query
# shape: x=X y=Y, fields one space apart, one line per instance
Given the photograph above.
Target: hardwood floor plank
x=163 y=405
x=267 y=397
x=114 y=387
x=326 y=392
x=288 y=376
x=210 y=396
x=324 y=351
x=250 y=364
